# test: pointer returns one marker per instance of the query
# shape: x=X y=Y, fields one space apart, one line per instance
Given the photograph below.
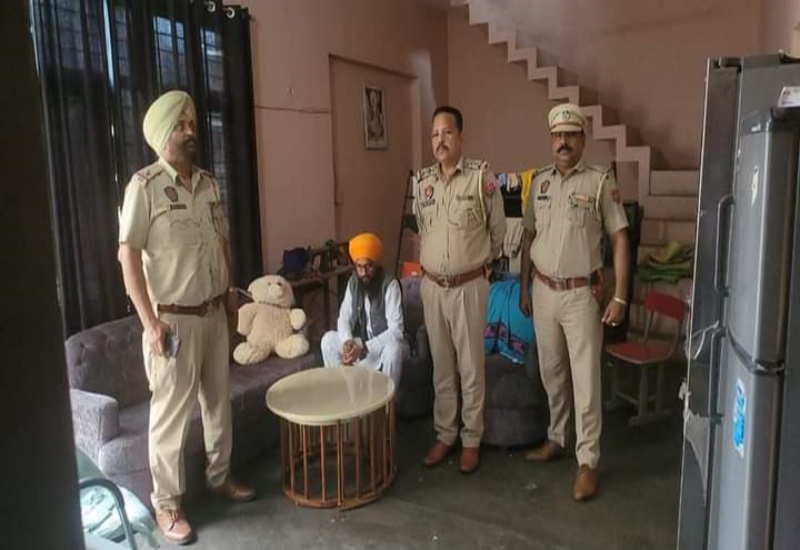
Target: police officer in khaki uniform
x=174 y=254
x=462 y=224
x=570 y=205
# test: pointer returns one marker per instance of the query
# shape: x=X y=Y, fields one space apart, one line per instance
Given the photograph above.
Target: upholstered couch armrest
x=95 y=419
x=422 y=346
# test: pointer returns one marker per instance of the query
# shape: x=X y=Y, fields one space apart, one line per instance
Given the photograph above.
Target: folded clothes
x=513 y=240
x=669 y=264
x=508 y=331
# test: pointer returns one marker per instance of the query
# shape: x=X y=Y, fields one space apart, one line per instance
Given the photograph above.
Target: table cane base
x=344 y=465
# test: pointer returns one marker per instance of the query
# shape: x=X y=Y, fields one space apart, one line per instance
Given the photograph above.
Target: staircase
x=669 y=197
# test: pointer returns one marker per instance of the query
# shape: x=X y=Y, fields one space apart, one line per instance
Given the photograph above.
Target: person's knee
x=330 y=341
x=331 y=349
x=393 y=352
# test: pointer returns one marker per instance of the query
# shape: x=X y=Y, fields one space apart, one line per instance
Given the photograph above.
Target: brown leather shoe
x=547 y=452
x=470 y=459
x=437 y=454
x=585 y=483
x=174 y=526
x=237 y=492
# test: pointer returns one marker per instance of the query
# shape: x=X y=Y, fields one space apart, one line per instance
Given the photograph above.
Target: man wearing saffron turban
x=370 y=330
x=173 y=247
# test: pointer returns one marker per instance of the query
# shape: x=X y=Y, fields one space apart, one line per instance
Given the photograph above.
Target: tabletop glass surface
x=323 y=396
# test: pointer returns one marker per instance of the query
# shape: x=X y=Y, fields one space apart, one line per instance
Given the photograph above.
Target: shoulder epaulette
x=145 y=175
x=598 y=168
x=474 y=164
x=425 y=173
x=543 y=170
x=204 y=172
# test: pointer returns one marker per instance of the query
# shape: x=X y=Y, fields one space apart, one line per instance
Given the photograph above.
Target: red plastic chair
x=646 y=355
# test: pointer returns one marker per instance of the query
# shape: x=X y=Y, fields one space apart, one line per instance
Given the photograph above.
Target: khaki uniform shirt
x=462 y=222
x=568 y=214
x=180 y=233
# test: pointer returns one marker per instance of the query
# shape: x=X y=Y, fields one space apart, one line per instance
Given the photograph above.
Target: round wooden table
x=338 y=446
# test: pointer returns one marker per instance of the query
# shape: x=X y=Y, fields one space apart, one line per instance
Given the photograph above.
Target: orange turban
x=366 y=246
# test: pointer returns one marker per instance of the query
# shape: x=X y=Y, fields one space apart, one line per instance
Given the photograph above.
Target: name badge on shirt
x=177 y=206
x=584 y=202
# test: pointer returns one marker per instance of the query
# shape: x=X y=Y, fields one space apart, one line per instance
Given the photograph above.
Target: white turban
x=163 y=115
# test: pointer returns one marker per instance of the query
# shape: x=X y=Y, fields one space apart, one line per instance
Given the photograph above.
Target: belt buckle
x=445 y=281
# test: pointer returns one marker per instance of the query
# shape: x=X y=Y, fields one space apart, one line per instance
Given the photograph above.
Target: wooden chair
x=646 y=355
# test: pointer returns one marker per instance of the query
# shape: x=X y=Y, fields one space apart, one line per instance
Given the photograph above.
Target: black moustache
x=565 y=148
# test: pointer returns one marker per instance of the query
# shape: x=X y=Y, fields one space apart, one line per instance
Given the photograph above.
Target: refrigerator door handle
x=724 y=205
x=715 y=358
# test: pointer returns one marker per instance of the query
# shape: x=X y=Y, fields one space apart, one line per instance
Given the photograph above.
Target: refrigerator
x=740 y=471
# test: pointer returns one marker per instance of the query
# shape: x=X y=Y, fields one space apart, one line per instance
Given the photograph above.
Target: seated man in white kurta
x=370 y=329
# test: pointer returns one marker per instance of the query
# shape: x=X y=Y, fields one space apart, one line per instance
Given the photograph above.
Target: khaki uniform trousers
x=455 y=319
x=569 y=337
x=200 y=372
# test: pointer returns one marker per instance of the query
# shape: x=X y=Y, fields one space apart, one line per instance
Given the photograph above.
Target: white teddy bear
x=269 y=322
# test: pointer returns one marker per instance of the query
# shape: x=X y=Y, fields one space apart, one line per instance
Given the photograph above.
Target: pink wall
x=779 y=18
x=505 y=115
x=645 y=58
x=293 y=41
x=371 y=183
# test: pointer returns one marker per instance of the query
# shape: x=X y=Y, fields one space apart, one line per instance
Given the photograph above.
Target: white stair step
x=674 y=182
x=523 y=55
x=655 y=231
x=542 y=73
x=567 y=93
x=616 y=132
x=670 y=207
x=499 y=35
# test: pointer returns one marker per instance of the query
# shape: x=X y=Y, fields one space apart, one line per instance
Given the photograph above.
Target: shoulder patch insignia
x=171 y=193
x=489 y=188
x=545 y=186
x=615 y=195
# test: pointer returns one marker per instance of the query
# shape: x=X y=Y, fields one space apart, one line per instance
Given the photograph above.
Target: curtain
x=101 y=63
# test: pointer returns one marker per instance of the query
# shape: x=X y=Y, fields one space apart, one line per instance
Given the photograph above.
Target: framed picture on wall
x=375 y=131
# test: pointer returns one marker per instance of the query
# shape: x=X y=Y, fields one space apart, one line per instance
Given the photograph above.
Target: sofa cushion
x=249 y=383
x=412 y=306
x=515 y=412
x=128 y=451
x=107 y=359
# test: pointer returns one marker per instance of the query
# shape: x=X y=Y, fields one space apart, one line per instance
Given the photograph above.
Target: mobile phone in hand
x=171 y=344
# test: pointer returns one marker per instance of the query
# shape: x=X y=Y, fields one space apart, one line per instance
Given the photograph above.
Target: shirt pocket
x=576 y=215
x=467 y=215
x=184 y=228
x=217 y=219
x=542 y=210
